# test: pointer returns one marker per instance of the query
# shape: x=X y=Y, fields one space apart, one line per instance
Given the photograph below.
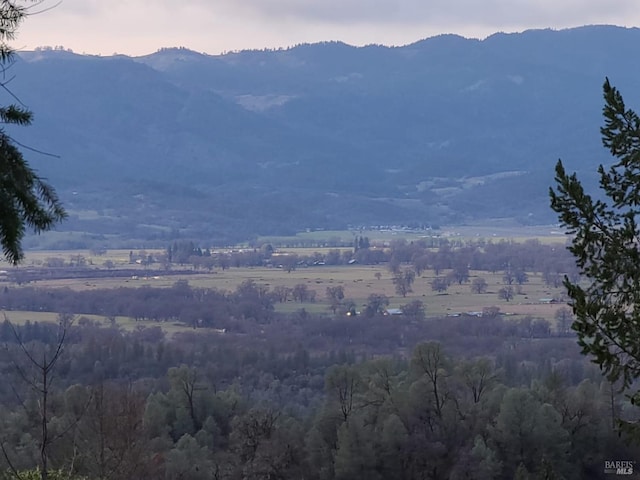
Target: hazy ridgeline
x=444 y=131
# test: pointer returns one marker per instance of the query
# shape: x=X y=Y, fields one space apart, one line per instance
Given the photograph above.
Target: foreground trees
x=26 y=200
x=605 y=243
x=492 y=402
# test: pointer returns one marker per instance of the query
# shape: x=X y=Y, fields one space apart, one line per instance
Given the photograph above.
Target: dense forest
x=450 y=398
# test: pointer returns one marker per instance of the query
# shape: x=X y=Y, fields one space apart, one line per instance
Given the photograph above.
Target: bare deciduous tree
x=35 y=364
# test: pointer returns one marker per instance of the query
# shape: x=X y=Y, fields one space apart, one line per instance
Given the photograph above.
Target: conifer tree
x=606 y=245
x=26 y=199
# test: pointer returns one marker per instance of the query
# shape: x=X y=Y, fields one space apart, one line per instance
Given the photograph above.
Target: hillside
x=445 y=130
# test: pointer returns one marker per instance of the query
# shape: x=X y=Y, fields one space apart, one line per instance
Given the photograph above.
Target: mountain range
x=447 y=130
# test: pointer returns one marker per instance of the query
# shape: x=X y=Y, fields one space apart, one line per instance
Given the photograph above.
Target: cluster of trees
x=406 y=261
x=181 y=303
x=128 y=405
x=248 y=307
x=513 y=258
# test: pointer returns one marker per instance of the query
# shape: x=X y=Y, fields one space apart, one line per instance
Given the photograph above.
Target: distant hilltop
x=446 y=130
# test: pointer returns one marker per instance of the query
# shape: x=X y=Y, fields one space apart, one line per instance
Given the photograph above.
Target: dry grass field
x=358 y=281
x=125 y=323
x=120 y=258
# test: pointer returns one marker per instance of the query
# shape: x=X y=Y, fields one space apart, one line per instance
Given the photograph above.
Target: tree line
x=453 y=258
x=136 y=405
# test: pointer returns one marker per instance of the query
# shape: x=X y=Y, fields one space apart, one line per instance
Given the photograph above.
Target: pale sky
x=137 y=27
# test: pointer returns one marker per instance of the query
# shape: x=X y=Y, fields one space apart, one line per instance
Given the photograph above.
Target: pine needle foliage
x=606 y=246
x=27 y=201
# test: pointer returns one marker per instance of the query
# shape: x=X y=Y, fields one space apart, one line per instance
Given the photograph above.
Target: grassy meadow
x=547 y=234
x=358 y=281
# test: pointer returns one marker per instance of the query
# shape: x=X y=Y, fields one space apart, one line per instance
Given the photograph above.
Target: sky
x=137 y=27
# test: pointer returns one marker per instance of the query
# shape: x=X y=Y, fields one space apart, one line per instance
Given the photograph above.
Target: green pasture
x=548 y=234
x=318 y=236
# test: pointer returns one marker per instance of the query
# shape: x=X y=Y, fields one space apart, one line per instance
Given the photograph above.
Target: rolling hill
x=222 y=148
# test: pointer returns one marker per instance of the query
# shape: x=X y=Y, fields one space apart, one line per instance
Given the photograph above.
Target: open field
x=358 y=281
x=125 y=323
x=547 y=234
x=308 y=243
x=120 y=258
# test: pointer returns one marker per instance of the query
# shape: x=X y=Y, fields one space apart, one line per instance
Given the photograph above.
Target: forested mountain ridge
x=224 y=147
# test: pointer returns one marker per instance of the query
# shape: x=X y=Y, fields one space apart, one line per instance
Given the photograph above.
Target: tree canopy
x=26 y=199
x=605 y=244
